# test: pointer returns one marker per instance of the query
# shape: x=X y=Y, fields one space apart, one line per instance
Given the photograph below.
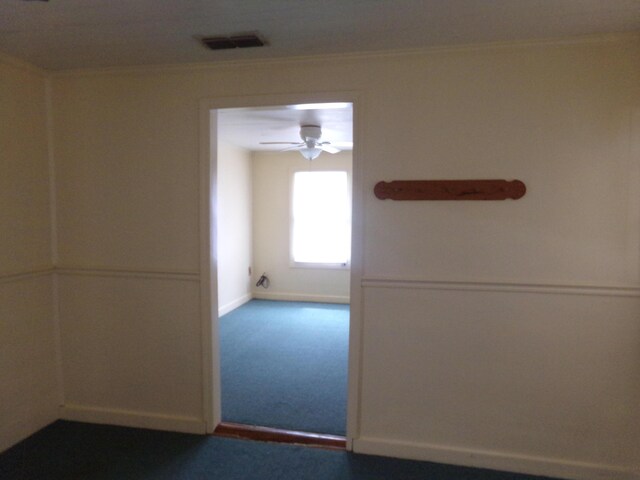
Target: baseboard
x=224 y=309
x=504 y=461
x=10 y=437
x=125 y=418
x=300 y=297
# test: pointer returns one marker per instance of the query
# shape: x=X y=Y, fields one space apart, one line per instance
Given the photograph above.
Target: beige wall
x=127 y=194
x=272 y=182
x=24 y=183
x=502 y=334
x=28 y=375
x=128 y=347
x=235 y=233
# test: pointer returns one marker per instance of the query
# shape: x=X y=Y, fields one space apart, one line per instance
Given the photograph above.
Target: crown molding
x=624 y=37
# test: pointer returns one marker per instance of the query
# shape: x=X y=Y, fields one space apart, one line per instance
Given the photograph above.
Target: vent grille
x=235 y=41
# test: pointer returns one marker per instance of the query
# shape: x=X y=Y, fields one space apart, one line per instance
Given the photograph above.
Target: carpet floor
x=79 y=451
x=284 y=365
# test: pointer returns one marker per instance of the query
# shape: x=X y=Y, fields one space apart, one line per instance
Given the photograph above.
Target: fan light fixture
x=310 y=153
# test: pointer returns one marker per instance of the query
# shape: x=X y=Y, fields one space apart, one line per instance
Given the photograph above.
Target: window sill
x=321 y=266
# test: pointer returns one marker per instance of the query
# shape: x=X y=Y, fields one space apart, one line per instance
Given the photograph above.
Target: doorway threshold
x=268 y=434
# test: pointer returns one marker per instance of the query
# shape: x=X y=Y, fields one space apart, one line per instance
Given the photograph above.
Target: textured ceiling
x=67 y=34
x=247 y=127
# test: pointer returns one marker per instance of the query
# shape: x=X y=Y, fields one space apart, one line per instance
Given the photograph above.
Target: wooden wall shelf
x=450 y=190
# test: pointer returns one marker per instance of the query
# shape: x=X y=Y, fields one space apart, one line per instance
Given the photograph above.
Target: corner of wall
x=53 y=212
x=27 y=284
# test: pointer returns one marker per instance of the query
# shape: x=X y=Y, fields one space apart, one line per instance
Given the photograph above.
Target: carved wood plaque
x=450 y=190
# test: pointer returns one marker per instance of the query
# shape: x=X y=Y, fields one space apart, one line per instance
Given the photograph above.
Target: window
x=321 y=219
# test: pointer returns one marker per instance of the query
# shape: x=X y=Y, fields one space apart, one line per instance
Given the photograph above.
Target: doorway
x=280 y=292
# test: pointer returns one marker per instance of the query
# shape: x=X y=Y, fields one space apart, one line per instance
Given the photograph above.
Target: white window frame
x=325 y=266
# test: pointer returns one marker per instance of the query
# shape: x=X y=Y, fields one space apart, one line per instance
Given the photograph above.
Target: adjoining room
x=284 y=244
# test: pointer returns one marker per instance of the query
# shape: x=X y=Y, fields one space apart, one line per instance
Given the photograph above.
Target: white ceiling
x=67 y=34
x=247 y=127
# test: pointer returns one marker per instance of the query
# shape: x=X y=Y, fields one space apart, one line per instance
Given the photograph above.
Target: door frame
x=208 y=248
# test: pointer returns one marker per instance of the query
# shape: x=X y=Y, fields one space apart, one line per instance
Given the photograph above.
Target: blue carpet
x=78 y=451
x=284 y=365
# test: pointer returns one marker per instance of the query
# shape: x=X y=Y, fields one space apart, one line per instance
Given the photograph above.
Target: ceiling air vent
x=235 y=41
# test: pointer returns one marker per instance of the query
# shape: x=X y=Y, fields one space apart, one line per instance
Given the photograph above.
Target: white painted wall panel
x=549 y=375
x=28 y=368
x=131 y=345
x=125 y=179
x=564 y=124
x=24 y=173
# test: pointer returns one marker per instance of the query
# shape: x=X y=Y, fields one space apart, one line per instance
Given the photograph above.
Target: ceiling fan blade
x=329 y=148
x=342 y=144
x=280 y=143
x=297 y=146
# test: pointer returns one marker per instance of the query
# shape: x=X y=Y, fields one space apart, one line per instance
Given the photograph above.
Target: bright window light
x=321 y=220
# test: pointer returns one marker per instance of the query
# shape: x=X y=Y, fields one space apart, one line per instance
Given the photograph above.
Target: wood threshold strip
x=266 y=434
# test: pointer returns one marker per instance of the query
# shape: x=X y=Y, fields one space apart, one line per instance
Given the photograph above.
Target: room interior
x=253 y=189
x=490 y=334
x=276 y=371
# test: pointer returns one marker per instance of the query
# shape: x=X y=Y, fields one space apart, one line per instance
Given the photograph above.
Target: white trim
x=356 y=310
x=23 y=431
x=184 y=275
x=129 y=418
x=208 y=164
x=53 y=228
x=318 y=266
x=238 y=302
x=345 y=56
x=509 y=287
x=53 y=203
x=504 y=461
x=208 y=161
x=25 y=274
x=300 y=297
x=57 y=337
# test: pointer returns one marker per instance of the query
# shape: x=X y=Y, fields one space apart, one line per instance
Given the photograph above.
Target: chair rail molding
x=372 y=281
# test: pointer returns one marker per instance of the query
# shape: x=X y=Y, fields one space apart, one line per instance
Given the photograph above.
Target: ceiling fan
x=310 y=146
